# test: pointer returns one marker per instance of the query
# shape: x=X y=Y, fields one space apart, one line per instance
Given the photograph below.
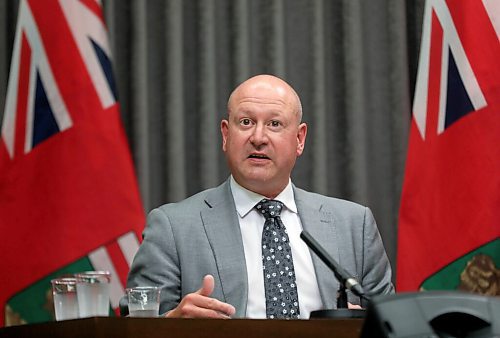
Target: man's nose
x=259 y=135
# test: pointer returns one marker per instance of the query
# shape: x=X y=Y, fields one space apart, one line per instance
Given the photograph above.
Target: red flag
x=449 y=222
x=67 y=185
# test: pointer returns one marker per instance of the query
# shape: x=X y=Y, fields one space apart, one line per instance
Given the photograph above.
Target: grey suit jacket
x=185 y=241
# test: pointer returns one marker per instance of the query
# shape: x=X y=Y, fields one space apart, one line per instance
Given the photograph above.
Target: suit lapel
x=320 y=225
x=222 y=228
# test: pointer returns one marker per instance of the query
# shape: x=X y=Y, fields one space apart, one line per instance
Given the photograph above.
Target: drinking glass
x=143 y=301
x=65 y=299
x=92 y=288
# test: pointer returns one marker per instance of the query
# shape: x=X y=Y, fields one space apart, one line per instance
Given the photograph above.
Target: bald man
x=208 y=253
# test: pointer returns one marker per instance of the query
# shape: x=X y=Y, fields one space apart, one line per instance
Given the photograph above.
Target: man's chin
x=260 y=184
x=258 y=177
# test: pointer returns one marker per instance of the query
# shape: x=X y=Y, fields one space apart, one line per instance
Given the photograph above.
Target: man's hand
x=354 y=306
x=199 y=304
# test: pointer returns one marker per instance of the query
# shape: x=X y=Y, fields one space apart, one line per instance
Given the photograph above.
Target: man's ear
x=301 y=138
x=224 y=129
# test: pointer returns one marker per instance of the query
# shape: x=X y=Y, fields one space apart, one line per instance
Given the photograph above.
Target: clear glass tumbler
x=143 y=301
x=92 y=288
x=65 y=299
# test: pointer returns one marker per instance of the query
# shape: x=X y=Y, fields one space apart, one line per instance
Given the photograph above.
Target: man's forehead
x=254 y=105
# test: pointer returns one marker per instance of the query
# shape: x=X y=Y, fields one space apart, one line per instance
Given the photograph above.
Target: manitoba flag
x=68 y=196
x=449 y=222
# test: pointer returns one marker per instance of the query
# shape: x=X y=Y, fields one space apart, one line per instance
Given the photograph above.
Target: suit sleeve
x=156 y=262
x=376 y=278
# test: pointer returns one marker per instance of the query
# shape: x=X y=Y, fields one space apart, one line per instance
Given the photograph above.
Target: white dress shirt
x=252 y=224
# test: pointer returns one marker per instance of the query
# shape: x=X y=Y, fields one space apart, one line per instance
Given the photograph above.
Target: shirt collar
x=245 y=200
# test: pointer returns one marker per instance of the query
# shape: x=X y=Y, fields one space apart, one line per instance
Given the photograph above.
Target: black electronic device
x=432 y=314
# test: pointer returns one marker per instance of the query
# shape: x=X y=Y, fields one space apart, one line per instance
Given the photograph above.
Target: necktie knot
x=269 y=208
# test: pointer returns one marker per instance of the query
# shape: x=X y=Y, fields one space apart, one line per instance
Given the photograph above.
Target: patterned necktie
x=282 y=300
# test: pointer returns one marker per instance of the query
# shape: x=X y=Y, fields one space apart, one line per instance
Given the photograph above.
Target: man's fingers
x=214 y=311
x=200 y=305
x=354 y=306
x=194 y=305
x=207 y=286
x=204 y=302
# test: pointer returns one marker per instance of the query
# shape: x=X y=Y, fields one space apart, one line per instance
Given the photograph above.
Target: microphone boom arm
x=345 y=279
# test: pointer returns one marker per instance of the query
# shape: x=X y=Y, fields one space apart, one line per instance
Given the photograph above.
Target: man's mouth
x=258 y=156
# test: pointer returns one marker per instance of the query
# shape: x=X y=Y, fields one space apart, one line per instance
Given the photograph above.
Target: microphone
x=346 y=280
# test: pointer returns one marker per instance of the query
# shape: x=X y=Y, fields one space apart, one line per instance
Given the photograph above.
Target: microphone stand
x=342 y=297
x=346 y=282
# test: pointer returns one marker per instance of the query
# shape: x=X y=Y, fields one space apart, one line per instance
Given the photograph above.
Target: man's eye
x=275 y=123
x=245 y=122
